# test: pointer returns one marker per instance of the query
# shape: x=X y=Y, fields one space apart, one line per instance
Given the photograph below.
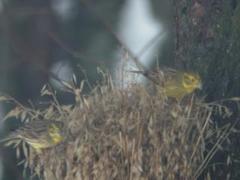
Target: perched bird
x=39 y=134
x=175 y=84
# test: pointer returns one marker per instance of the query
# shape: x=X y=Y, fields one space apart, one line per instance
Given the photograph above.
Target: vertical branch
x=177 y=26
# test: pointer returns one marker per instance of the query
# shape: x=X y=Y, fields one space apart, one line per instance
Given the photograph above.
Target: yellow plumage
x=39 y=134
x=175 y=84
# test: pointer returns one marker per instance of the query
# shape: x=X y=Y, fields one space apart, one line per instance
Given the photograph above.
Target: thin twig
x=115 y=36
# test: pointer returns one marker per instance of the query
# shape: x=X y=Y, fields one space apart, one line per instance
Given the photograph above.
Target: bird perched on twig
x=39 y=134
x=175 y=84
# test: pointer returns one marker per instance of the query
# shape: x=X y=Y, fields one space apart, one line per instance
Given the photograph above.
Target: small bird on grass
x=175 y=84
x=39 y=134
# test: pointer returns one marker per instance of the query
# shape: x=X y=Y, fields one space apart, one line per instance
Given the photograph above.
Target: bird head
x=55 y=131
x=191 y=81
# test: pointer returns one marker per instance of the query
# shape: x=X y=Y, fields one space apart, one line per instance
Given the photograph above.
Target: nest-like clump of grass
x=123 y=134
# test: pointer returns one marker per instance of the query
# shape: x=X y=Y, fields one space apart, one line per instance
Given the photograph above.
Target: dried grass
x=124 y=134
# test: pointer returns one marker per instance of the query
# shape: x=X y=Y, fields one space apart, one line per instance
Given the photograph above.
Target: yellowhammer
x=39 y=134
x=175 y=84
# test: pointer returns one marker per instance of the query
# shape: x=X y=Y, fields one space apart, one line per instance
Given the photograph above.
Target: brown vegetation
x=121 y=134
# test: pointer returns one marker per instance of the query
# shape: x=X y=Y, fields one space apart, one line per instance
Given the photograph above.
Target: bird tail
x=5 y=141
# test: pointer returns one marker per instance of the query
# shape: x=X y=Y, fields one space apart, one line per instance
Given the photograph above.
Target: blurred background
x=42 y=40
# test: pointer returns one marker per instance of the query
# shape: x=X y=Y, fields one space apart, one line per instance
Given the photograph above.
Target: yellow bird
x=175 y=84
x=39 y=134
